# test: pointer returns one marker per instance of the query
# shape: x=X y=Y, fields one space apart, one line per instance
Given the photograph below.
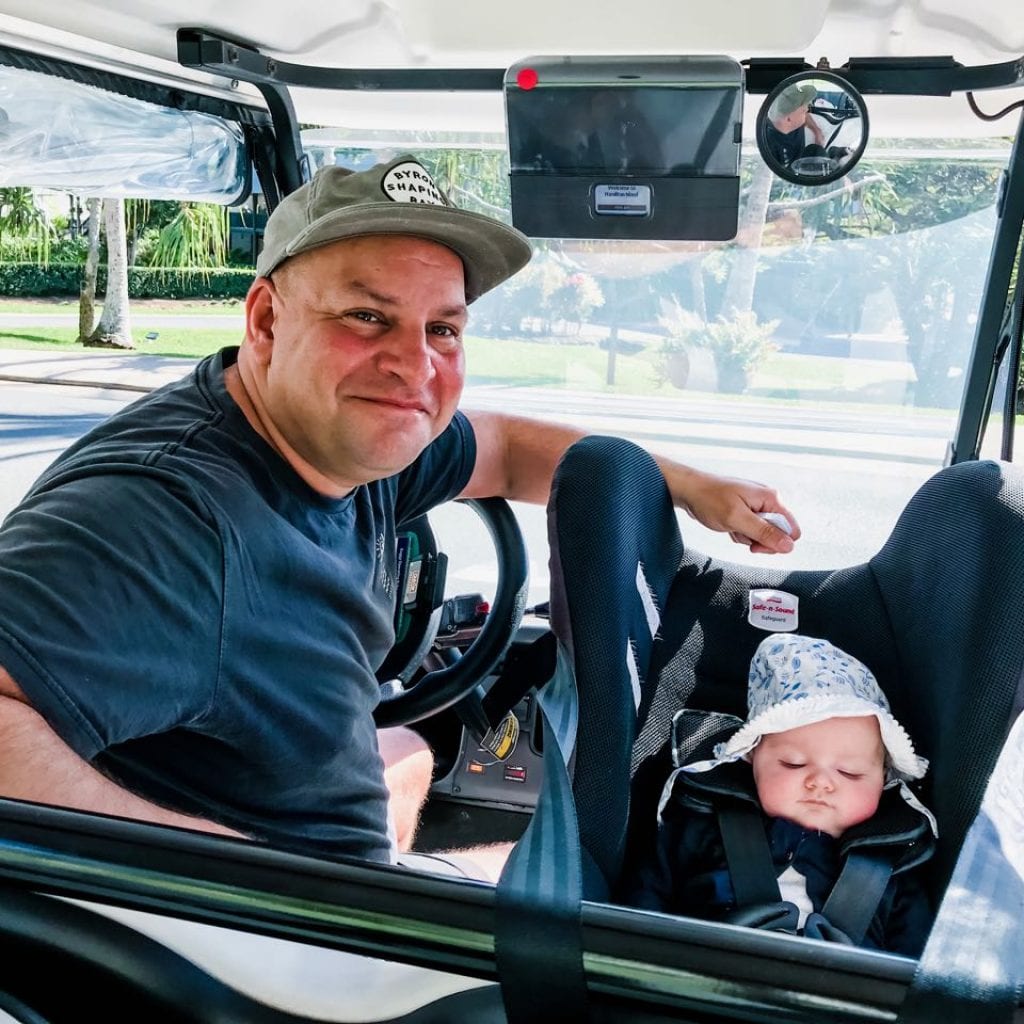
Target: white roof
x=452 y=33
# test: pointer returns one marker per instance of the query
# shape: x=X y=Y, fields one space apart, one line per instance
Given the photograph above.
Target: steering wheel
x=405 y=699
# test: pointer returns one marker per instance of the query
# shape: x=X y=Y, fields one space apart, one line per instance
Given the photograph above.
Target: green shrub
x=188 y=283
x=32 y=279
x=545 y=298
x=738 y=344
x=26 y=250
x=144 y=246
x=40 y=280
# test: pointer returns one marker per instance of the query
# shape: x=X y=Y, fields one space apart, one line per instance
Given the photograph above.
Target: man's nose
x=407 y=354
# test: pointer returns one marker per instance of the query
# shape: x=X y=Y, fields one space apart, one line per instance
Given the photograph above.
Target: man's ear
x=260 y=316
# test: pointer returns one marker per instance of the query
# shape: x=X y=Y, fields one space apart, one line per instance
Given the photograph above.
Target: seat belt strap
x=853 y=901
x=748 y=855
x=972 y=967
x=538 y=933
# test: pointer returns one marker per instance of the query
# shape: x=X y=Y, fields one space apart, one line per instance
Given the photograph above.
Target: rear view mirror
x=812 y=128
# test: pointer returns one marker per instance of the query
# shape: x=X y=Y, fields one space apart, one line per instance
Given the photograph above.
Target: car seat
x=644 y=628
x=651 y=628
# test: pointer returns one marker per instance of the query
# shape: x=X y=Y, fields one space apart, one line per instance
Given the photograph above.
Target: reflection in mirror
x=812 y=128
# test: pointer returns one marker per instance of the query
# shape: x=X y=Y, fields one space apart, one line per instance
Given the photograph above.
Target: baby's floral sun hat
x=797 y=680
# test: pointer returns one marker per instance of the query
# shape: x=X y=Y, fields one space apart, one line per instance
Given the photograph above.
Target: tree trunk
x=739 y=290
x=114 y=329
x=700 y=296
x=613 y=347
x=87 y=297
x=613 y=334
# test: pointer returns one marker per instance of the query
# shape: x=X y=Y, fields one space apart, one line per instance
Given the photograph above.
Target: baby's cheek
x=775 y=798
x=863 y=805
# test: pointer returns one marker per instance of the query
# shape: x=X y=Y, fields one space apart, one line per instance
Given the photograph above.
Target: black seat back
x=952 y=578
x=935 y=615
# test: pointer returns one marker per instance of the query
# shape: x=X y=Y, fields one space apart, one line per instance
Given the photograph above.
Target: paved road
x=117 y=370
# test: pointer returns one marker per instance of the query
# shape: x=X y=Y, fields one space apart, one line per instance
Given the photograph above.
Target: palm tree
x=114 y=329
x=20 y=216
x=196 y=237
x=87 y=297
x=739 y=289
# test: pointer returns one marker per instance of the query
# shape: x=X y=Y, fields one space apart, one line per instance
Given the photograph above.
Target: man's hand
x=731 y=506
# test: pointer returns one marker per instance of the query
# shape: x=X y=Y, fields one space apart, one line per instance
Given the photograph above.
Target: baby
x=816 y=756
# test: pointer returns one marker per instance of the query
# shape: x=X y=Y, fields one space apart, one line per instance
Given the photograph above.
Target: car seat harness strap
x=850 y=906
x=746 y=848
x=854 y=899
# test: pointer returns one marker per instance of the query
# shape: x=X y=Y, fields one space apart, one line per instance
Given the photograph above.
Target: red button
x=526 y=78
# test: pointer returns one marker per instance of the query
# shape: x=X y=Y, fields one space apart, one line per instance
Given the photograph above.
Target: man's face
x=826 y=776
x=788 y=122
x=357 y=353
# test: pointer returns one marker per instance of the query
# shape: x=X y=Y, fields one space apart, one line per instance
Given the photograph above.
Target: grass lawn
x=165 y=307
x=790 y=375
x=515 y=363
x=508 y=363
x=785 y=377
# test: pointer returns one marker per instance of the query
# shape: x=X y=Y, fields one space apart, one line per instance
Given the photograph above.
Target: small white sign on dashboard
x=622 y=200
x=773 y=610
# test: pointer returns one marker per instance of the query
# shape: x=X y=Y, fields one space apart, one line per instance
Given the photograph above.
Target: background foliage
x=62 y=279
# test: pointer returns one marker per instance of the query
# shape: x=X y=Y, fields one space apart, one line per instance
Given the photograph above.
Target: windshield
x=822 y=351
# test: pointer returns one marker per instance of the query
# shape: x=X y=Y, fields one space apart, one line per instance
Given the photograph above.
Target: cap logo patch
x=410 y=183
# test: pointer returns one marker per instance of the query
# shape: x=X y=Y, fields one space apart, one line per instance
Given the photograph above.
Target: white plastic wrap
x=65 y=135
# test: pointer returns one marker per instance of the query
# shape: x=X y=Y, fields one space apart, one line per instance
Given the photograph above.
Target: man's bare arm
x=516 y=459
x=36 y=764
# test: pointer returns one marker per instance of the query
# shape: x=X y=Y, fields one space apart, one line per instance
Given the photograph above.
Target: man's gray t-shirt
x=190 y=616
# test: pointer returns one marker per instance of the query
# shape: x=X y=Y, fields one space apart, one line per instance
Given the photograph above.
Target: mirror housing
x=812 y=128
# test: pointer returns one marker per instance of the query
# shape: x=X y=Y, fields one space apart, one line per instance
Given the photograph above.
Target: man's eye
x=366 y=316
x=444 y=331
x=446 y=339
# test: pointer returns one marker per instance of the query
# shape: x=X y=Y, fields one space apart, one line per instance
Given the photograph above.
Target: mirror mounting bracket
x=893 y=76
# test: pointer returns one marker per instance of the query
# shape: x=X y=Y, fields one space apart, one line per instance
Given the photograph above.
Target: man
x=789 y=118
x=194 y=597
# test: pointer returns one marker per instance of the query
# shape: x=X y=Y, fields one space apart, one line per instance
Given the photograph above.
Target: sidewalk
x=124 y=371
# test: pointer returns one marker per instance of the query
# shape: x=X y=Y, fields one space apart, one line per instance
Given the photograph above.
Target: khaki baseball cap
x=395 y=198
x=791 y=98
